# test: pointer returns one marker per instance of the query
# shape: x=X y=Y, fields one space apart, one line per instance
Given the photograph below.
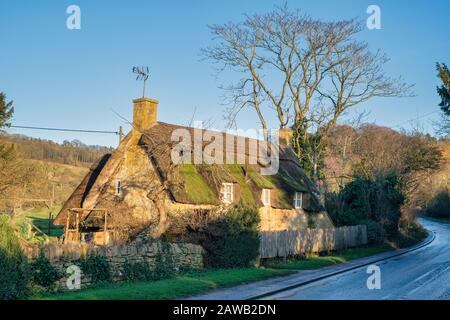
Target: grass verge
x=180 y=286
x=40 y=218
x=315 y=262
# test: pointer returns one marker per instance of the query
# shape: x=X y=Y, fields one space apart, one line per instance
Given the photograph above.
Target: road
x=421 y=274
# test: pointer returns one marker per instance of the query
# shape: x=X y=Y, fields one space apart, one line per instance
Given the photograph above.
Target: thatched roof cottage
x=139 y=183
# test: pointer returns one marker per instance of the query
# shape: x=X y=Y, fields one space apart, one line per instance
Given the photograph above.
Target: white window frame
x=298 y=200
x=265 y=197
x=227 y=195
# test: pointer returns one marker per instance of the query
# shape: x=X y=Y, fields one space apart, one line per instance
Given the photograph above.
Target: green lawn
x=180 y=286
x=39 y=218
x=316 y=262
x=202 y=281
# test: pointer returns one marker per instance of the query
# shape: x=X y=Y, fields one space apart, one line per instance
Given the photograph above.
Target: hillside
x=69 y=152
x=373 y=148
x=42 y=169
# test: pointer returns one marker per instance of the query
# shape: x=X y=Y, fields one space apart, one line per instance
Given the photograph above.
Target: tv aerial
x=142 y=75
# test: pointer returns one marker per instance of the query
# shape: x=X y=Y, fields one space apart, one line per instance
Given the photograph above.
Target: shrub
x=138 y=271
x=413 y=230
x=311 y=222
x=233 y=239
x=375 y=232
x=363 y=199
x=14 y=268
x=43 y=272
x=439 y=206
x=97 y=267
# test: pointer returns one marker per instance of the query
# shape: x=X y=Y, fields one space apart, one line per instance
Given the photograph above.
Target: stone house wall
x=291 y=219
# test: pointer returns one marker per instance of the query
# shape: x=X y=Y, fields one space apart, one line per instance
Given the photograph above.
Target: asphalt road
x=421 y=274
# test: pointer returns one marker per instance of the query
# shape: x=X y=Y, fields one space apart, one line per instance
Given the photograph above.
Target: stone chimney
x=285 y=136
x=144 y=114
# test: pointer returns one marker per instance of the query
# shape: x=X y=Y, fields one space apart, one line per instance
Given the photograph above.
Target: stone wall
x=184 y=255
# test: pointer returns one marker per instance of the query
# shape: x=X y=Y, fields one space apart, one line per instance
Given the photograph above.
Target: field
x=39 y=218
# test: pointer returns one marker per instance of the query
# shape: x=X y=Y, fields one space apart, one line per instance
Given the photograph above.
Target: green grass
x=39 y=218
x=202 y=281
x=315 y=262
x=180 y=286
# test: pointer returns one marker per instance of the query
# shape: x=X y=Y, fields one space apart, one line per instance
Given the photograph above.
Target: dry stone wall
x=62 y=256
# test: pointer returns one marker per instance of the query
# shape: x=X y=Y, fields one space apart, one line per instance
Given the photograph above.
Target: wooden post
x=106 y=227
x=49 y=222
x=67 y=226
x=77 y=226
x=120 y=135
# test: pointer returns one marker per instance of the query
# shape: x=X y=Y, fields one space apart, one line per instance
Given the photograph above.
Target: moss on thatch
x=194 y=188
x=246 y=197
x=262 y=182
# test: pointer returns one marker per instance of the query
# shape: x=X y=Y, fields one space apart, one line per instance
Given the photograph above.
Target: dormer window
x=227 y=193
x=298 y=200
x=265 y=197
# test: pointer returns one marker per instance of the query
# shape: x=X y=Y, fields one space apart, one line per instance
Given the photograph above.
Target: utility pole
x=120 y=135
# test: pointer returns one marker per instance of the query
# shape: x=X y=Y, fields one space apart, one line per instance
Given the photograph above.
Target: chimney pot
x=285 y=136
x=144 y=114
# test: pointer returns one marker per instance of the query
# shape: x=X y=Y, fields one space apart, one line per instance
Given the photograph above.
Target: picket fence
x=291 y=243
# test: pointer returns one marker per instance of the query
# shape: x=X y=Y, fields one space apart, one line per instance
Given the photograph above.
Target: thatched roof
x=200 y=183
x=79 y=195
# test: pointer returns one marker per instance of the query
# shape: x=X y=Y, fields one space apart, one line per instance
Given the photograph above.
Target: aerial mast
x=142 y=75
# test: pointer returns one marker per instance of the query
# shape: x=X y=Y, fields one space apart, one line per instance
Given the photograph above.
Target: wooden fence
x=291 y=243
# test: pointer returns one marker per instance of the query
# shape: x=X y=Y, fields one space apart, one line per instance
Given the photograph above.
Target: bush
x=439 y=207
x=363 y=199
x=43 y=272
x=139 y=271
x=413 y=231
x=14 y=268
x=233 y=239
x=97 y=267
x=375 y=232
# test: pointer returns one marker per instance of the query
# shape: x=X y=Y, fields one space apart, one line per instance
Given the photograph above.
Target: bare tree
x=308 y=72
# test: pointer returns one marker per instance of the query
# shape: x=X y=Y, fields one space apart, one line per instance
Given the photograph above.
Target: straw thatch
x=198 y=184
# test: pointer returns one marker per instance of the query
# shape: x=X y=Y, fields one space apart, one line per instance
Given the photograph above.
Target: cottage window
x=227 y=194
x=298 y=200
x=265 y=197
x=118 y=187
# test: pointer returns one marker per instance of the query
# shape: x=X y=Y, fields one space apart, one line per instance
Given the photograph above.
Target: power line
x=66 y=130
x=415 y=119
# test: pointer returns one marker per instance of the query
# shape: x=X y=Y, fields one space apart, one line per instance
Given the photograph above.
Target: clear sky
x=76 y=78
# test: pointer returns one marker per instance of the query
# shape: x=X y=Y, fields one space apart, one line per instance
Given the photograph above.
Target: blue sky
x=76 y=78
